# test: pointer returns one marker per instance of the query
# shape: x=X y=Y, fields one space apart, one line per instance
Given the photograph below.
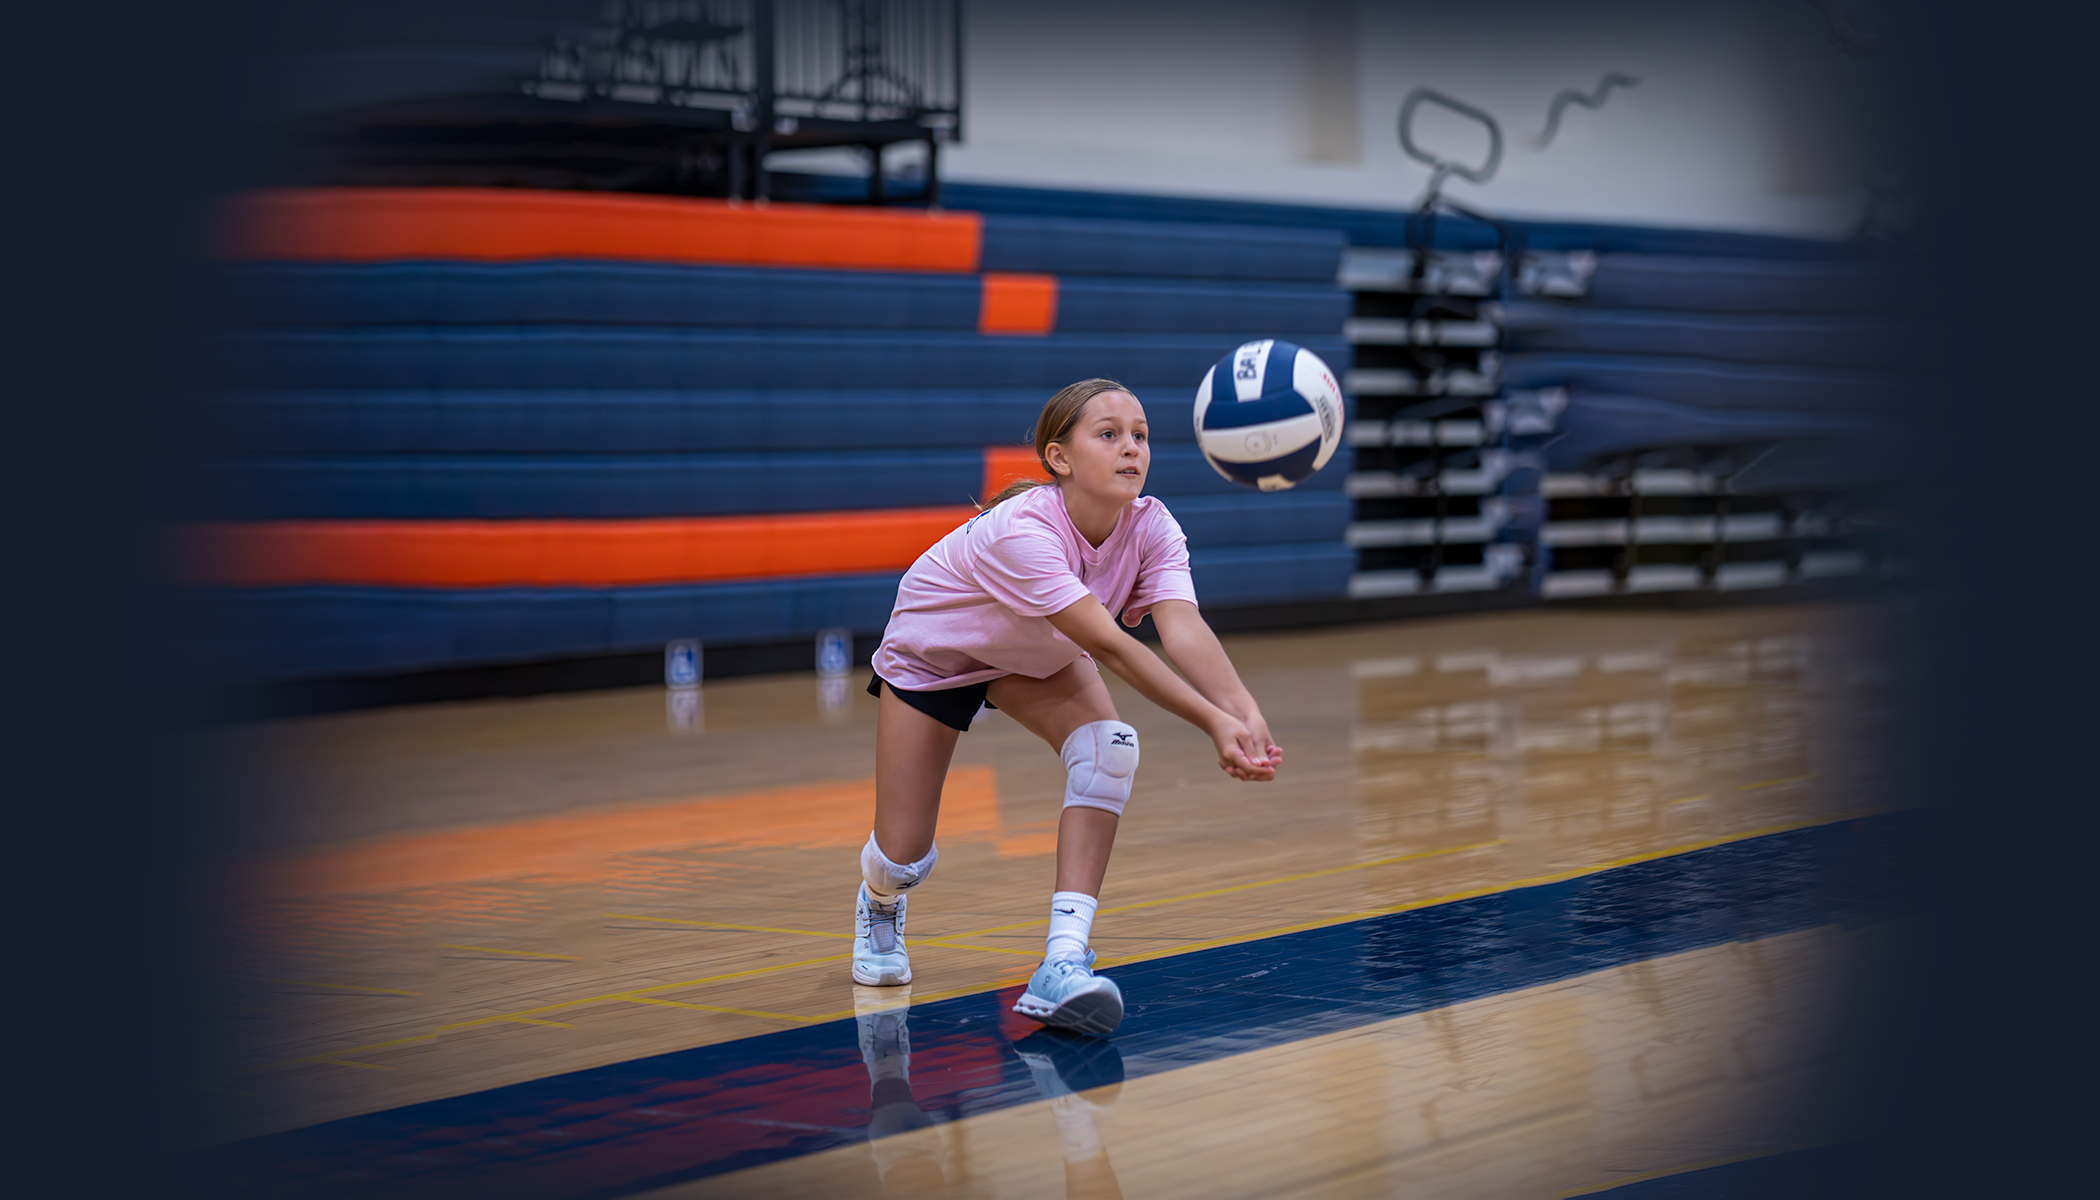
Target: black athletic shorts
x=952 y=707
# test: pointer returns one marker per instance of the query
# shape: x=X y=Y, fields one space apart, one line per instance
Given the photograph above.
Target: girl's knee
x=1101 y=762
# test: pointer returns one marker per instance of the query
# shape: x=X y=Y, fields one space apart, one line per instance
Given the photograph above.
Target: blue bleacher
x=1703 y=383
x=1351 y=226
x=337 y=632
x=1170 y=249
x=585 y=389
x=495 y=486
x=588 y=389
x=1743 y=285
x=569 y=356
x=1600 y=424
x=1806 y=339
x=649 y=420
x=654 y=294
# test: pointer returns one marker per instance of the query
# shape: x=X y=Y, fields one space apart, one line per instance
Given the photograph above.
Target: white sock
x=1071 y=920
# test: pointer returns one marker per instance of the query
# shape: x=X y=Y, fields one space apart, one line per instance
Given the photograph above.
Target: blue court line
x=615 y=1130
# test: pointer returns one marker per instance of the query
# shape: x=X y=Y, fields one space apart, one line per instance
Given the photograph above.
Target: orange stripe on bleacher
x=1014 y=303
x=563 y=553
x=1005 y=464
x=493 y=224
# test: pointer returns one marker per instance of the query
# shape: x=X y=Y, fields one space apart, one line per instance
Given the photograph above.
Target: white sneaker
x=879 y=958
x=883 y=1018
x=1066 y=994
x=1063 y=1065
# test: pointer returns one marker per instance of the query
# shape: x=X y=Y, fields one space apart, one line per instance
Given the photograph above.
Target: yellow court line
x=1376 y=862
x=1690 y=799
x=1123 y=908
x=1474 y=893
x=719 y=925
x=949 y=943
x=344 y=1062
x=952 y=944
x=1765 y=783
x=1242 y=887
x=954 y=940
x=514 y=953
x=632 y=995
x=346 y=987
x=335 y=1057
x=716 y=1008
x=918 y=998
x=946 y=942
x=605 y=998
x=1687 y=1169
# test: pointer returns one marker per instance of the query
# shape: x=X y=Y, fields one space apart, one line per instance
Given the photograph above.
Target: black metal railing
x=868 y=60
x=786 y=74
x=684 y=53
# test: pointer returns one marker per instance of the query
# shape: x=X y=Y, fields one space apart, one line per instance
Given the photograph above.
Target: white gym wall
x=1742 y=118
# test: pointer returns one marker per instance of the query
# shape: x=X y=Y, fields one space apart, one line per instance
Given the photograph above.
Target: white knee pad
x=1101 y=762
x=886 y=878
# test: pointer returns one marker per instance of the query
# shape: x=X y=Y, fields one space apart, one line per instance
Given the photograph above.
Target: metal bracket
x=1441 y=168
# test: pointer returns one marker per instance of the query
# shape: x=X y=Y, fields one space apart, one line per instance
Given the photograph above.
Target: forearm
x=1190 y=644
x=1132 y=662
x=1242 y=750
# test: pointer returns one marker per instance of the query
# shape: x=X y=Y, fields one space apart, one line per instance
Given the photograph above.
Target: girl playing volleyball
x=1014 y=609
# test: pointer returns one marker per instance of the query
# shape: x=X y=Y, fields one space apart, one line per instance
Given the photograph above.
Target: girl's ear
x=1054 y=454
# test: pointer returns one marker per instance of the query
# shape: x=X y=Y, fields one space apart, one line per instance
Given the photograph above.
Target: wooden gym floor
x=523 y=907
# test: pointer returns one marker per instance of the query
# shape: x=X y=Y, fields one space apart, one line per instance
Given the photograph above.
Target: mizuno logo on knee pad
x=1101 y=760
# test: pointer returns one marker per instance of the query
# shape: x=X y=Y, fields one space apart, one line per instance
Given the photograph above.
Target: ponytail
x=1054 y=424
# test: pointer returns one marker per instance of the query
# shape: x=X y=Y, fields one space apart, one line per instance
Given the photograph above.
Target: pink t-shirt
x=975 y=606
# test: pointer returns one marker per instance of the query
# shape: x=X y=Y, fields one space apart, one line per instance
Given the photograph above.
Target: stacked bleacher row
x=1695 y=387
x=1583 y=425
x=1725 y=422
x=485 y=427
x=1443 y=478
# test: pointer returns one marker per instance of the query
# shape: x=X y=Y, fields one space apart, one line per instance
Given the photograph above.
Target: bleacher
x=1719 y=401
x=479 y=427
x=485 y=426
x=1725 y=424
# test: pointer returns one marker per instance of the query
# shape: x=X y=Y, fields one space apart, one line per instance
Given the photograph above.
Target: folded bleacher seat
x=1704 y=383
x=569 y=356
x=1810 y=339
x=646 y=295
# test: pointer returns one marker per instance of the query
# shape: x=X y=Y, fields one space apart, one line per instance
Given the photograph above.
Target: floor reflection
x=908 y=1166
x=1080 y=1077
x=1593 y=755
x=519 y=902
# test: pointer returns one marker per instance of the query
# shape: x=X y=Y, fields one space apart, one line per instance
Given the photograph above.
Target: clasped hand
x=1245 y=750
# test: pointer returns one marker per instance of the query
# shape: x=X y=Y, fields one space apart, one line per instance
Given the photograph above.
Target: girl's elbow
x=1108 y=654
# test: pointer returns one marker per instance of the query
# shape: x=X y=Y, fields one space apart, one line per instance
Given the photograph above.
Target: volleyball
x=1268 y=415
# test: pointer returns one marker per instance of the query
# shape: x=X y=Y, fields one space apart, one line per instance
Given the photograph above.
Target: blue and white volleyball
x=1268 y=415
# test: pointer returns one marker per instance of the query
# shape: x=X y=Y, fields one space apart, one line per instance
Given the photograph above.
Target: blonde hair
x=1054 y=424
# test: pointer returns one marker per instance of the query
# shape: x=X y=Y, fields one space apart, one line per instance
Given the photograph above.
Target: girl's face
x=1108 y=452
